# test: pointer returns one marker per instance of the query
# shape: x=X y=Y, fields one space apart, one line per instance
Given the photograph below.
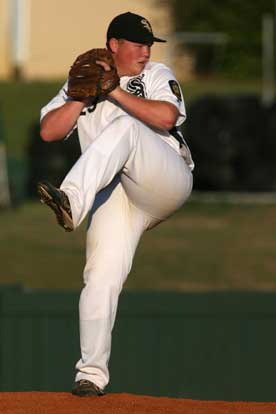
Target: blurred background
x=223 y=56
x=222 y=240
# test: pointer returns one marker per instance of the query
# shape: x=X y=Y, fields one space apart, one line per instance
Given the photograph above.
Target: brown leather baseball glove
x=87 y=79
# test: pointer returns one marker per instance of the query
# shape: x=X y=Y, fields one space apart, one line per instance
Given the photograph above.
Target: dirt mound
x=65 y=403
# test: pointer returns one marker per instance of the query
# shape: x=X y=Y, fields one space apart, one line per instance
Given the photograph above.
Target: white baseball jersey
x=155 y=82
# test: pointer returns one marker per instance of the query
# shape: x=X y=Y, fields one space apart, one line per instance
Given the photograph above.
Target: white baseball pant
x=133 y=180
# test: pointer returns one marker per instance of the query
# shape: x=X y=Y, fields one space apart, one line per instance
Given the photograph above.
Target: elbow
x=169 y=118
x=46 y=135
x=168 y=123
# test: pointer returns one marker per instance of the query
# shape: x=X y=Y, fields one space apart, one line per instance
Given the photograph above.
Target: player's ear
x=113 y=44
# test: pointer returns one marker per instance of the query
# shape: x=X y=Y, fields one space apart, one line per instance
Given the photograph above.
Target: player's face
x=130 y=57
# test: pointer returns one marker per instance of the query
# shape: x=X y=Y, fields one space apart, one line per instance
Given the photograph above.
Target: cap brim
x=155 y=39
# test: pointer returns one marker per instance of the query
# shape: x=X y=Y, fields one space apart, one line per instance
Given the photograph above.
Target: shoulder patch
x=175 y=89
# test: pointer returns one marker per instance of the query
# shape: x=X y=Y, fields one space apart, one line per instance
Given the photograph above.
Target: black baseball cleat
x=85 y=388
x=58 y=201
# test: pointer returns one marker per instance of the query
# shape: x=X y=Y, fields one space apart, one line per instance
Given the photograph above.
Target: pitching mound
x=65 y=403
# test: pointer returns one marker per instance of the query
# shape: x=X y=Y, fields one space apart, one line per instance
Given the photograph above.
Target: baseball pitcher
x=134 y=172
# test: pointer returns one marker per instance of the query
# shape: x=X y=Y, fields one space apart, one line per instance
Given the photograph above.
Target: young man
x=134 y=172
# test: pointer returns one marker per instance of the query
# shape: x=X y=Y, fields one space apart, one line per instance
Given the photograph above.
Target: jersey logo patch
x=175 y=89
x=137 y=87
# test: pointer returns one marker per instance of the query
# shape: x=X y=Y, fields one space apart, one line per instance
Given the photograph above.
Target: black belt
x=177 y=135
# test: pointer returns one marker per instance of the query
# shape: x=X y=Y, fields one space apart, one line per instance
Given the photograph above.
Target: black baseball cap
x=132 y=27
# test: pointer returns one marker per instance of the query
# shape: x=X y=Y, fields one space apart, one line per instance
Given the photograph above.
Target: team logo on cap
x=146 y=25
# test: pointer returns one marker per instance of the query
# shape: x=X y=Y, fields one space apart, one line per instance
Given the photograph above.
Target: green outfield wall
x=217 y=345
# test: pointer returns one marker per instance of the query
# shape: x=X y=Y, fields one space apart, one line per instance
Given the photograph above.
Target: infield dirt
x=65 y=403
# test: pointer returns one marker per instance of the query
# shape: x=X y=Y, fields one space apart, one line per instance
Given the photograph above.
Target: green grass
x=20 y=105
x=199 y=87
x=203 y=246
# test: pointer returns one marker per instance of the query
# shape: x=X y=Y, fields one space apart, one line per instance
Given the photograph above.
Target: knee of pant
x=111 y=268
x=97 y=302
x=112 y=277
x=106 y=287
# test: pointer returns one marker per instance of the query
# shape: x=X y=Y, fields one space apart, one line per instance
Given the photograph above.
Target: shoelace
x=85 y=382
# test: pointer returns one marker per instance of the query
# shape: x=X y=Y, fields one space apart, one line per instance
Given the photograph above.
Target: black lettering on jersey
x=88 y=110
x=137 y=87
x=91 y=108
x=175 y=89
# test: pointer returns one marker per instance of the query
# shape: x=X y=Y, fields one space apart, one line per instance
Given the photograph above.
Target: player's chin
x=139 y=67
